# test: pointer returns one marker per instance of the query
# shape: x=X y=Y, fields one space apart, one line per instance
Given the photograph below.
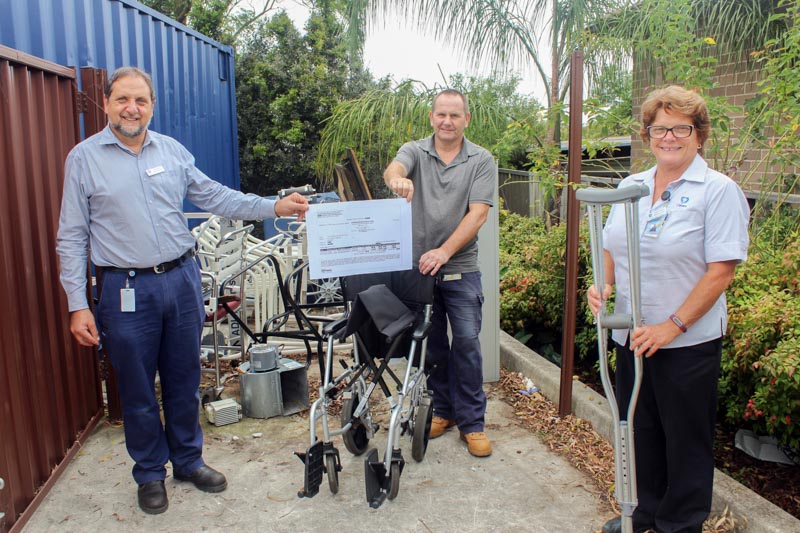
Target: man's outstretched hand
x=294 y=204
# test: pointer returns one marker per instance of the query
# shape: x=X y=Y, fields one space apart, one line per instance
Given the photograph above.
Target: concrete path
x=522 y=487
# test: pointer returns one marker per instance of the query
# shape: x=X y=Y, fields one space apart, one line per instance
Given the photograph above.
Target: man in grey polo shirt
x=450 y=183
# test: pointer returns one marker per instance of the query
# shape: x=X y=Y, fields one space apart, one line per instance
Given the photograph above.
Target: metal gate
x=50 y=391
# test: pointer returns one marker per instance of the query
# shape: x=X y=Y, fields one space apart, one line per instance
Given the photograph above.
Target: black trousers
x=673 y=433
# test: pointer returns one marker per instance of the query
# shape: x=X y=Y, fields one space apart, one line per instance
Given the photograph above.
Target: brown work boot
x=477 y=443
x=439 y=425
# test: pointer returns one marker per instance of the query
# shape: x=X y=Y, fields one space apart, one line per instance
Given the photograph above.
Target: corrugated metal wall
x=50 y=393
x=193 y=75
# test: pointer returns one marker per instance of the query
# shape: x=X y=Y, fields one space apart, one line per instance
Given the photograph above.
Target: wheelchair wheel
x=355 y=439
x=394 y=480
x=333 y=474
x=422 y=428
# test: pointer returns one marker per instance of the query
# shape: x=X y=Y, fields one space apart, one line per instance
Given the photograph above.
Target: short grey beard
x=128 y=133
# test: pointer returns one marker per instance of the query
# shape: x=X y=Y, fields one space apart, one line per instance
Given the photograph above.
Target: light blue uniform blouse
x=707 y=222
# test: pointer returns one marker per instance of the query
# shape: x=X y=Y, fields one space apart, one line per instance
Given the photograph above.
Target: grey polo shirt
x=128 y=208
x=442 y=194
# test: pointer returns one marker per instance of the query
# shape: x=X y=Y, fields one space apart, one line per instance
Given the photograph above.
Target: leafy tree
x=222 y=20
x=610 y=104
x=288 y=83
x=736 y=25
x=176 y=9
x=681 y=41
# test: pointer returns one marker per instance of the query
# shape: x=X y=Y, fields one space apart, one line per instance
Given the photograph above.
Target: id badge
x=127 y=299
x=655 y=223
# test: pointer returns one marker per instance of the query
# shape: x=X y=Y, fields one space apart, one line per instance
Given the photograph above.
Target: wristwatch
x=678 y=322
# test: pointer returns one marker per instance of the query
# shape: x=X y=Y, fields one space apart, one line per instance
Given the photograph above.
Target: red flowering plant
x=760 y=380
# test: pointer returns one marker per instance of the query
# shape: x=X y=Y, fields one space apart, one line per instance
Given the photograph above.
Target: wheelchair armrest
x=421 y=331
x=331 y=328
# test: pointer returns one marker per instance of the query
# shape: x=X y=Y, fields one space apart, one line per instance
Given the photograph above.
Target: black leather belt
x=158 y=269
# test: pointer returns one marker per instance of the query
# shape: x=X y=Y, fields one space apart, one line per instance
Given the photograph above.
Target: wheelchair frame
x=411 y=411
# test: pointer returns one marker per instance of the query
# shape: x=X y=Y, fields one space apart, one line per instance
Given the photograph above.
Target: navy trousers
x=673 y=434
x=456 y=376
x=163 y=335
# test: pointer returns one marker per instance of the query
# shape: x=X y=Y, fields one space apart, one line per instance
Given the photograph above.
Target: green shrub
x=532 y=273
x=759 y=383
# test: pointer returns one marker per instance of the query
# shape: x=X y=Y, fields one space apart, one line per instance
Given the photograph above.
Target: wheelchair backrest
x=412 y=287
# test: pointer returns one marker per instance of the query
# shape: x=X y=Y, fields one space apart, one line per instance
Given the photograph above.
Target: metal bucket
x=263 y=357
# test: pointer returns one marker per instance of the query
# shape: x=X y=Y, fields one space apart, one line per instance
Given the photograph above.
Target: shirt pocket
x=168 y=187
x=685 y=226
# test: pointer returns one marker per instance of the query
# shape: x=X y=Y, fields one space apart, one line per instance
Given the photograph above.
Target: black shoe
x=206 y=479
x=153 y=497
x=615 y=526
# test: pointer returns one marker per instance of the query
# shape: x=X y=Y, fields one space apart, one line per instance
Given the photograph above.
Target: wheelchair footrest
x=378 y=481
x=314 y=461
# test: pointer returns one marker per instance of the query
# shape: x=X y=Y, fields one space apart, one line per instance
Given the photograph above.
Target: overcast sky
x=404 y=54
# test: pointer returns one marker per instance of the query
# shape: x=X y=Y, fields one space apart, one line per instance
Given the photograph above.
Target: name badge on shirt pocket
x=155 y=170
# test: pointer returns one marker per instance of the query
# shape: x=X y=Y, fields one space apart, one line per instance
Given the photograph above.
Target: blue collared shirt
x=128 y=208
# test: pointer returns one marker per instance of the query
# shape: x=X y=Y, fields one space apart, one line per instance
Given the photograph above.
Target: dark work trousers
x=673 y=433
x=456 y=378
x=163 y=334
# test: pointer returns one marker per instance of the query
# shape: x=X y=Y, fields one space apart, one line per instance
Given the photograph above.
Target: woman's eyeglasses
x=680 y=131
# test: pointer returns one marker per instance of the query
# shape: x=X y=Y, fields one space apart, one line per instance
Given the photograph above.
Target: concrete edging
x=762 y=516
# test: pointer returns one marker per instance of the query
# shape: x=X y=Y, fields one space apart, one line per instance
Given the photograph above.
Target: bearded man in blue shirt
x=124 y=190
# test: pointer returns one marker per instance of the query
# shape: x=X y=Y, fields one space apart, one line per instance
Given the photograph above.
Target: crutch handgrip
x=615 y=321
x=595 y=195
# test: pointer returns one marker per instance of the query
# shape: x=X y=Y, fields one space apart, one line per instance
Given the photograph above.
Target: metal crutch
x=624 y=454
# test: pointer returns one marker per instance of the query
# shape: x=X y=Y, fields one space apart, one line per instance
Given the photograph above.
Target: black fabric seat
x=385 y=305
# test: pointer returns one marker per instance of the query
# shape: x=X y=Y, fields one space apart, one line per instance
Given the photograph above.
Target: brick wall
x=737 y=80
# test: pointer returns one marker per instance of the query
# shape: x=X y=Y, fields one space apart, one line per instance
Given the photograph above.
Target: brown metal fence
x=50 y=392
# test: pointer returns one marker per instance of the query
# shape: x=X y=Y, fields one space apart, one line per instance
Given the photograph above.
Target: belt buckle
x=159 y=269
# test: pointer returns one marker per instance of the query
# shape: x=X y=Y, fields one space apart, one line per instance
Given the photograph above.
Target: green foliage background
x=532 y=274
x=288 y=84
x=760 y=381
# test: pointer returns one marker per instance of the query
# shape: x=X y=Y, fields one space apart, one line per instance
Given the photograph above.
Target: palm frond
x=376 y=124
x=737 y=26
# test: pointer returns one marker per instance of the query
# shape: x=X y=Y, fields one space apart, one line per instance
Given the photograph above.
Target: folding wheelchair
x=389 y=317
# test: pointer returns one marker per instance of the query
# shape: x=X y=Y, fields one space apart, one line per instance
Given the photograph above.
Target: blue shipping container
x=193 y=75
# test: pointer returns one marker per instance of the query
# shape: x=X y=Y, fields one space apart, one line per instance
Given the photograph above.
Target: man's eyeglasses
x=680 y=131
